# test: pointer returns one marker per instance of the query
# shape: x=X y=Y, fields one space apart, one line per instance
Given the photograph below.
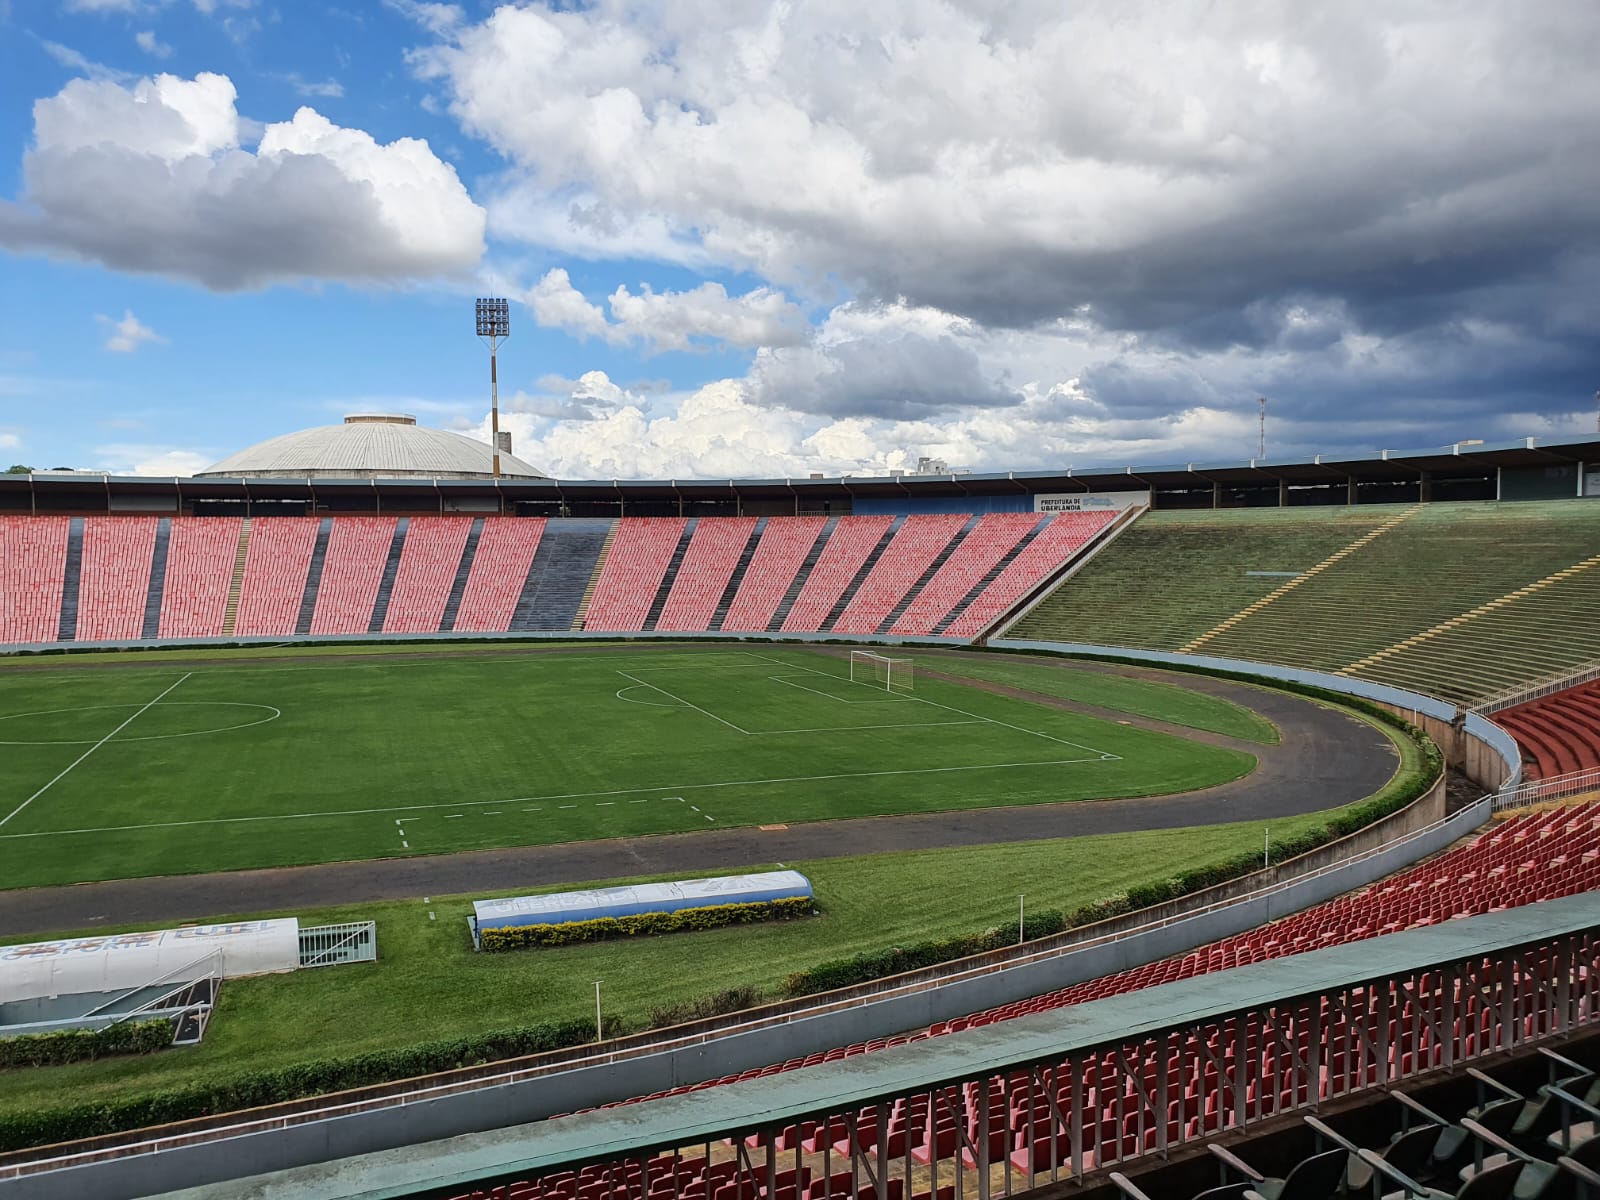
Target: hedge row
x=734 y=999
x=875 y=964
x=685 y=920
x=43 y=1126
x=75 y=1045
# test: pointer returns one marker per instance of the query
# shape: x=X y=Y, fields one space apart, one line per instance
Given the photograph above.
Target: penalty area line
x=137 y=714
x=676 y=787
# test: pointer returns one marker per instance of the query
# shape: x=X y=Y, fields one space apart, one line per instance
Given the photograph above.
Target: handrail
x=602 y=1056
x=1525 y=693
x=1552 y=787
x=164 y=977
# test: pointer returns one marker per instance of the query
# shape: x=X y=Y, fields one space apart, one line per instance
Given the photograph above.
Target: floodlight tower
x=1261 y=450
x=494 y=326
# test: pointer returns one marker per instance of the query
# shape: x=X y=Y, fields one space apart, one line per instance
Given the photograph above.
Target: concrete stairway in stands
x=319 y=555
x=562 y=573
x=73 y=576
x=994 y=573
x=915 y=589
x=720 y=613
x=230 y=614
x=452 y=603
x=671 y=576
x=158 y=579
x=391 y=568
x=849 y=593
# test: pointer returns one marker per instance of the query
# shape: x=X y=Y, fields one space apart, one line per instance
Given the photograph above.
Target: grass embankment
x=429 y=984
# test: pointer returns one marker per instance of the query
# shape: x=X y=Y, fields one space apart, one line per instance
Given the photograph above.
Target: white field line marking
x=859 y=728
x=359 y=812
x=1105 y=755
x=137 y=714
x=622 y=695
x=685 y=703
x=825 y=729
x=352 y=661
x=829 y=695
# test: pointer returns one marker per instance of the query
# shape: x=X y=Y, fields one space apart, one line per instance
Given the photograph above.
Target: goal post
x=881 y=670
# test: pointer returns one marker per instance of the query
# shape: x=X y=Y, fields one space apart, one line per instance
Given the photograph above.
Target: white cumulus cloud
x=147 y=41
x=154 y=178
x=126 y=458
x=128 y=334
x=669 y=320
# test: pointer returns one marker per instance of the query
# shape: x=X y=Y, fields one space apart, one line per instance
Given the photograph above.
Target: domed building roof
x=370 y=446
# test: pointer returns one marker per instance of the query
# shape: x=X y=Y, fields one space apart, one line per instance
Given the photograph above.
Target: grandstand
x=1486 y=949
x=1458 y=600
x=344 y=575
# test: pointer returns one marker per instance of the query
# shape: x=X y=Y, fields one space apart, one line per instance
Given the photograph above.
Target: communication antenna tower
x=494 y=326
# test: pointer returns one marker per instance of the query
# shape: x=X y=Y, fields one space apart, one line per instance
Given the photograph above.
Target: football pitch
x=224 y=763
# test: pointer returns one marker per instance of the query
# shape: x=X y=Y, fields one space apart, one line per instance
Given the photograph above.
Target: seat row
x=1520 y=861
x=912 y=576
x=1559 y=734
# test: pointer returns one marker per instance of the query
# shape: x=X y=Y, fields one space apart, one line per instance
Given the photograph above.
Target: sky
x=759 y=238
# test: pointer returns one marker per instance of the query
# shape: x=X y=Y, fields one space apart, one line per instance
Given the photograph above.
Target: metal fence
x=1556 y=787
x=1535 y=691
x=325 y=945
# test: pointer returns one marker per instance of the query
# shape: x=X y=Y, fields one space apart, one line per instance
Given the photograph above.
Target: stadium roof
x=369 y=446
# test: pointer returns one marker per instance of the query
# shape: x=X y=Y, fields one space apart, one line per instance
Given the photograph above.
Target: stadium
x=386 y=818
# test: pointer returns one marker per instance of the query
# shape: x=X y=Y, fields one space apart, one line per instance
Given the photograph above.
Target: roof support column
x=1283 y=493
x=1350 y=489
x=1216 y=493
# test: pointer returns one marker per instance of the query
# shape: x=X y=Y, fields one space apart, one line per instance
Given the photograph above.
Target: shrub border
x=683 y=920
x=59 y=1046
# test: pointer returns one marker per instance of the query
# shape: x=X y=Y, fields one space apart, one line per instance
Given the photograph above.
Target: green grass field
x=428 y=983
x=187 y=765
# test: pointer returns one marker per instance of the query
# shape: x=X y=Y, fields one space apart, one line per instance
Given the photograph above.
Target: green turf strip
x=174 y=769
x=429 y=984
x=1170 y=702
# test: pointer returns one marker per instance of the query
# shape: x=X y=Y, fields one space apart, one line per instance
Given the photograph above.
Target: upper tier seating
x=1558 y=734
x=632 y=573
x=916 y=545
x=116 y=577
x=499 y=569
x=357 y=550
x=33 y=564
x=276 y=562
x=714 y=551
x=1051 y=547
x=428 y=563
x=852 y=543
x=1459 y=600
x=778 y=558
x=200 y=558
x=995 y=536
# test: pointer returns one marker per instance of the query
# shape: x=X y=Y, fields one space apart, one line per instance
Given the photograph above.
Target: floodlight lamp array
x=493 y=317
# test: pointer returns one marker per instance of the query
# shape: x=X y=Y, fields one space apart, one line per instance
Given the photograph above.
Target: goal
x=880 y=670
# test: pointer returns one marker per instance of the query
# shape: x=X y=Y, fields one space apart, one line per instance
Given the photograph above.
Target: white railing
x=1536 y=691
x=326 y=945
x=1554 y=788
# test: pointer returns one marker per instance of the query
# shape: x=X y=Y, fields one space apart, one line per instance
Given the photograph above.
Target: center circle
x=272 y=714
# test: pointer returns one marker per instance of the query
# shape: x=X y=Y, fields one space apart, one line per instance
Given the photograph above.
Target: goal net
x=880 y=670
